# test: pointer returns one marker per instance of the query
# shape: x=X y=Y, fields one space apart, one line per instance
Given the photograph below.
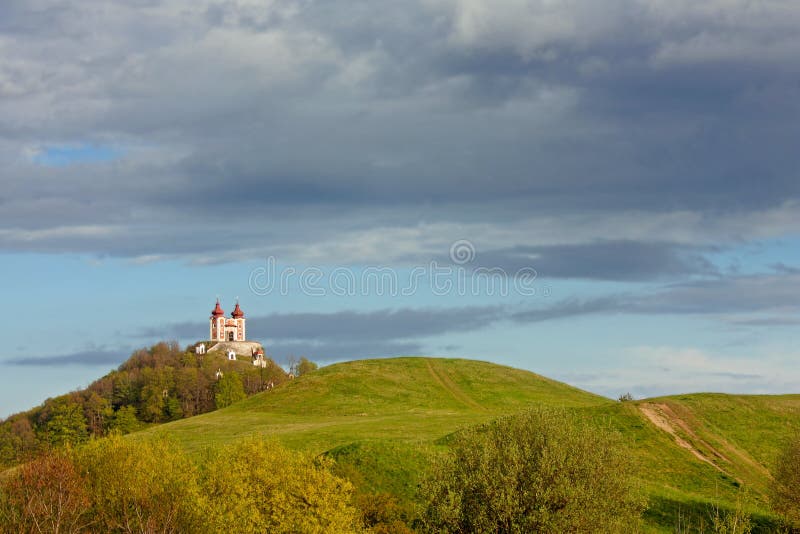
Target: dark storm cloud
x=442 y=110
x=604 y=260
x=90 y=358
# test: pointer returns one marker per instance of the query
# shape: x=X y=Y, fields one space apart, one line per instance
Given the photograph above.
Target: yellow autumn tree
x=140 y=486
x=259 y=486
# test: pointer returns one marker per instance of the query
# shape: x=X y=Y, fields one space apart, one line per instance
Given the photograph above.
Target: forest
x=155 y=385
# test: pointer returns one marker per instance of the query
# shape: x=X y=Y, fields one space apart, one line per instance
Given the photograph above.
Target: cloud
x=89 y=358
x=383 y=324
x=649 y=371
x=763 y=294
x=618 y=260
x=785 y=269
x=347 y=334
x=764 y=321
x=314 y=123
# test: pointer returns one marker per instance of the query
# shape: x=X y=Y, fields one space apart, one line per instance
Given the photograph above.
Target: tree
x=172 y=409
x=97 y=411
x=65 y=424
x=141 y=486
x=259 y=486
x=152 y=405
x=45 y=495
x=123 y=391
x=124 y=420
x=305 y=366
x=540 y=471
x=17 y=440
x=156 y=385
x=188 y=389
x=786 y=490
x=229 y=389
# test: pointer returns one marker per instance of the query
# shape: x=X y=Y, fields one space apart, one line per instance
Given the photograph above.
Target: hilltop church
x=227 y=329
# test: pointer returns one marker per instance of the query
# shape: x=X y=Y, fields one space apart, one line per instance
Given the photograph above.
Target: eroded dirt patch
x=664 y=418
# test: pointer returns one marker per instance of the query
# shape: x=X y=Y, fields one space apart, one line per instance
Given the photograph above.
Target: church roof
x=217 y=311
x=237 y=312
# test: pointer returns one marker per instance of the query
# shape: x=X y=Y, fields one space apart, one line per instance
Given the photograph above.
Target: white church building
x=223 y=328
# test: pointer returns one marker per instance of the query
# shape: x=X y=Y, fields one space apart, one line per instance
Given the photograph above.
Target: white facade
x=221 y=328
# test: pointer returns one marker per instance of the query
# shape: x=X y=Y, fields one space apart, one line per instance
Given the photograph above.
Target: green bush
x=540 y=471
x=786 y=492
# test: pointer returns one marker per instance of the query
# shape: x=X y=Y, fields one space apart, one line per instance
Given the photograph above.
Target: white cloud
x=59 y=232
x=647 y=371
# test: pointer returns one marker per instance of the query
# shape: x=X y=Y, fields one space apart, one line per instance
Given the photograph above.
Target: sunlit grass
x=382 y=419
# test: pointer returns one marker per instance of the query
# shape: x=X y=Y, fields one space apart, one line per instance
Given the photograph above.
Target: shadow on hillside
x=696 y=516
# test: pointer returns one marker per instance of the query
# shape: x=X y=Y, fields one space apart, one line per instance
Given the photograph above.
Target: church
x=223 y=328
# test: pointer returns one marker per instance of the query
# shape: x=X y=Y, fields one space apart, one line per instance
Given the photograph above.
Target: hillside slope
x=381 y=419
x=734 y=439
x=411 y=399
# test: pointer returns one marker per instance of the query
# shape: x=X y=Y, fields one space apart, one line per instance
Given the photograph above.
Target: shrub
x=736 y=521
x=140 y=486
x=258 y=486
x=540 y=471
x=786 y=491
x=45 y=495
x=382 y=513
x=123 y=485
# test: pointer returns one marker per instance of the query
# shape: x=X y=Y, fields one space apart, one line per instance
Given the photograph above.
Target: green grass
x=383 y=419
x=404 y=399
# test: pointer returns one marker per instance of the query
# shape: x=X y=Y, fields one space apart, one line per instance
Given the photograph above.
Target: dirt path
x=451 y=387
x=664 y=418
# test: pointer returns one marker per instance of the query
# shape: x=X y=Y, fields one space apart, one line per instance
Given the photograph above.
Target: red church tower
x=227 y=329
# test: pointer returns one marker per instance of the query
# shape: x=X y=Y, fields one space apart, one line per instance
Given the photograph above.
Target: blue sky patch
x=63 y=155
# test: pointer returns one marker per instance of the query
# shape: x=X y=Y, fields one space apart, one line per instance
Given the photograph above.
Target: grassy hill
x=406 y=399
x=382 y=419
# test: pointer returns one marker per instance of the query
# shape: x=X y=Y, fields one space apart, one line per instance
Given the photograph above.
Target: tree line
x=157 y=384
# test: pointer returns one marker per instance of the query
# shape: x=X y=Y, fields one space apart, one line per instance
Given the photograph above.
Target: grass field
x=382 y=419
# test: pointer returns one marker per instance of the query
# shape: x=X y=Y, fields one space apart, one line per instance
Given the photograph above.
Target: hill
x=161 y=383
x=382 y=419
x=407 y=399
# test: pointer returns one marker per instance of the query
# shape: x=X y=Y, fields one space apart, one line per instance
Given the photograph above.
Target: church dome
x=237 y=312
x=217 y=311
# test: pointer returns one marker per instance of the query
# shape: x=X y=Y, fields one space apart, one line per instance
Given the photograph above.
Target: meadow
x=383 y=420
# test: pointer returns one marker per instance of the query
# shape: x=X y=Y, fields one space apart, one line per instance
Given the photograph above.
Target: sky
x=606 y=193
